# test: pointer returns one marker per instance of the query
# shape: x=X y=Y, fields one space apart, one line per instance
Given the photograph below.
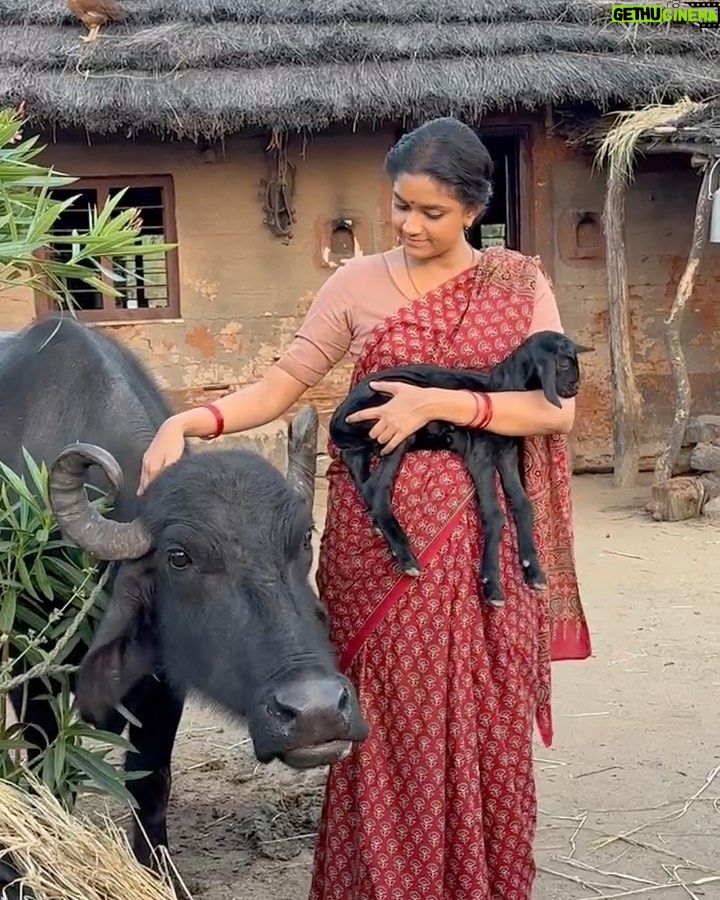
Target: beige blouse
x=351 y=303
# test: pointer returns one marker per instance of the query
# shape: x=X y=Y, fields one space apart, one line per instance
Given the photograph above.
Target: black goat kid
x=545 y=361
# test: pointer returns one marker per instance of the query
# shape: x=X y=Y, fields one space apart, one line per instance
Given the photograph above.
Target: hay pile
x=67 y=857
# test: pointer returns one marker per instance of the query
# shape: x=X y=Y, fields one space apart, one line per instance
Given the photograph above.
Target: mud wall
x=659 y=218
x=244 y=291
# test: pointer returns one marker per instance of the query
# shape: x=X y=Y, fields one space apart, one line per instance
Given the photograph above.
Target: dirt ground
x=637 y=737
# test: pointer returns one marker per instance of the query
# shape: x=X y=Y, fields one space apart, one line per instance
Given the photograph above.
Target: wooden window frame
x=45 y=305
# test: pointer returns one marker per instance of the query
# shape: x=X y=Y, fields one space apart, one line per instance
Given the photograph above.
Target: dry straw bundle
x=64 y=856
x=620 y=142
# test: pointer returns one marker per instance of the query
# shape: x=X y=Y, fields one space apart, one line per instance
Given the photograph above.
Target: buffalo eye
x=178 y=559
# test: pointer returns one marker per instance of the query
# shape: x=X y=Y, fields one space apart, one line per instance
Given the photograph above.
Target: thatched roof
x=213 y=67
x=689 y=126
x=700 y=125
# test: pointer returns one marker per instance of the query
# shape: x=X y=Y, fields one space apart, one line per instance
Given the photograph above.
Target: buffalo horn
x=302 y=453
x=82 y=523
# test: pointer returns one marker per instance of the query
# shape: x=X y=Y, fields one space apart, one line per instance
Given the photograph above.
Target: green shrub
x=50 y=600
x=50 y=593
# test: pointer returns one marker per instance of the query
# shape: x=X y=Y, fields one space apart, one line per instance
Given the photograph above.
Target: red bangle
x=488 y=412
x=219 y=421
x=474 y=416
x=482 y=418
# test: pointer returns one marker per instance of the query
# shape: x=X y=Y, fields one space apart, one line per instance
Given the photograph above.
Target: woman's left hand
x=409 y=410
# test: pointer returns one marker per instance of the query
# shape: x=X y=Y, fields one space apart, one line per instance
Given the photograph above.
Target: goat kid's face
x=223 y=604
x=556 y=365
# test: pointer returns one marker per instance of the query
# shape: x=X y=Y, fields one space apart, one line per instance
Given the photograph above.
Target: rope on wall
x=279 y=188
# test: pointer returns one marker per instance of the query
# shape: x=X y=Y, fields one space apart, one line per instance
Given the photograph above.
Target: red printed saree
x=439 y=802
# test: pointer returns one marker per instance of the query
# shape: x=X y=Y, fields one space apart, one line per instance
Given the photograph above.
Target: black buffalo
x=210 y=584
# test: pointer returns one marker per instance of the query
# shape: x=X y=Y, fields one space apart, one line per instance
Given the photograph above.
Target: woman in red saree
x=439 y=802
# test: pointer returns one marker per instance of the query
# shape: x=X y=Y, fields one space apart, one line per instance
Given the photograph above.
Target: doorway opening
x=500 y=224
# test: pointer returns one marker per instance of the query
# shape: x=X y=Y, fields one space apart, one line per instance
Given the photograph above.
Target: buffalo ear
x=322 y=614
x=124 y=648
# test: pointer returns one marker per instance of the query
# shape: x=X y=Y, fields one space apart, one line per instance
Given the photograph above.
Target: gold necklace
x=412 y=280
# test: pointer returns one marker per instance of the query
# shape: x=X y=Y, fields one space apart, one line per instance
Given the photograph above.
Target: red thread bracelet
x=219 y=421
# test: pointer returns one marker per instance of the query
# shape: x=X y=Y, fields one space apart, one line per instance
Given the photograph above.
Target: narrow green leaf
x=47 y=767
x=125 y=712
x=41 y=579
x=24 y=576
x=7 y=611
x=83 y=730
x=59 y=763
x=16 y=483
x=38 y=475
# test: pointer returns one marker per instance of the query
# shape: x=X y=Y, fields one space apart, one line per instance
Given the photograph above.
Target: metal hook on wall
x=714 y=196
x=715 y=164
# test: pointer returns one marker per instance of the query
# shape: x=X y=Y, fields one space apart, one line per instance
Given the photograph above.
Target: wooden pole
x=673 y=346
x=626 y=404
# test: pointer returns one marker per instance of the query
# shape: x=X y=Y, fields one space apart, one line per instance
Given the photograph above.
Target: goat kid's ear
x=548 y=379
x=123 y=650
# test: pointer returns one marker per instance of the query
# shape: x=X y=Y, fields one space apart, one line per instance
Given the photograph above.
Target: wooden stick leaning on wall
x=626 y=404
x=681 y=498
x=673 y=345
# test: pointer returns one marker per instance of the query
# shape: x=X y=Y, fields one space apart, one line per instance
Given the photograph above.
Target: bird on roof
x=94 y=14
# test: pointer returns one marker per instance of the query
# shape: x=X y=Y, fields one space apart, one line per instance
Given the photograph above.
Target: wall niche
x=339 y=239
x=580 y=237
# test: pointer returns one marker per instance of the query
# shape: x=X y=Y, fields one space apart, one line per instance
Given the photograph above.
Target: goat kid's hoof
x=495 y=602
x=493 y=596
x=534 y=576
x=407 y=564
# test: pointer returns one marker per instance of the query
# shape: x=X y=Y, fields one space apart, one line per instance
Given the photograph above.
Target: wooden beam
x=626 y=405
x=677 y=147
x=673 y=345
